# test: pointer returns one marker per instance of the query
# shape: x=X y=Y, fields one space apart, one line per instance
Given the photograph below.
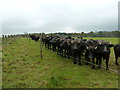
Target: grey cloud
x=53 y=16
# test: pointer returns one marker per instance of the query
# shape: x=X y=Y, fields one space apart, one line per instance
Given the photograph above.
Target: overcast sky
x=47 y=16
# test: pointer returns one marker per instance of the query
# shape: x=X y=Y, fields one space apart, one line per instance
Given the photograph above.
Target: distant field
x=23 y=68
x=112 y=40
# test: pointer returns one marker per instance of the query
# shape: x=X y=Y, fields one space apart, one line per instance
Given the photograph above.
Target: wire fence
x=116 y=71
x=7 y=40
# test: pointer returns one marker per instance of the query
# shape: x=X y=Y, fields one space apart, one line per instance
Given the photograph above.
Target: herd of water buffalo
x=95 y=50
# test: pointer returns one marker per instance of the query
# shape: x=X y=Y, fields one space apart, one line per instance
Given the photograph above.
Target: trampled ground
x=23 y=68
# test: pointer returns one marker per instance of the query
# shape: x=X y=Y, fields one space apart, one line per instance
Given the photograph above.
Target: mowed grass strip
x=23 y=68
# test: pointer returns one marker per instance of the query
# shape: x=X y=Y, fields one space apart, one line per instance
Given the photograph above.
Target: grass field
x=23 y=68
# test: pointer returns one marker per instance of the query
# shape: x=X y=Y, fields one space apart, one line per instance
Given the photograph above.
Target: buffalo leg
x=48 y=45
x=100 y=61
x=74 y=61
x=58 y=50
x=65 y=52
x=107 y=68
x=97 y=61
x=61 y=51
x=53 y=47
x=79 y=59
x=87 y=58
x=45 y=45
x=116 y=57
x=74 y=58
x=69 y=53
x=93 y=60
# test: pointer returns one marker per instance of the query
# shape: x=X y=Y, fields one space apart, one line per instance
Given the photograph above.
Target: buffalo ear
x=86 y=47
x=111 y=45
x=96 y=47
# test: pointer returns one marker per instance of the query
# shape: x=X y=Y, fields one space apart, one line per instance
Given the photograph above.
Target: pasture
x=23 y=68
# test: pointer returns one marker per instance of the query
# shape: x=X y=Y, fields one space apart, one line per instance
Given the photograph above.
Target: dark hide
x=103 y=52
x=35 y=37
x=65 y=45
x=90 y=51
x=47 y=40
x=117 y=52
x=77 y=47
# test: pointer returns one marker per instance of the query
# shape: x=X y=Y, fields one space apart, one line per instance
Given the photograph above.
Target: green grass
x=23 y=68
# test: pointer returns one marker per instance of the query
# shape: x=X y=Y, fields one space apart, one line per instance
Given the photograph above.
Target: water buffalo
x=47 y=42
x=59 y=41
x=103 y=52
x=54 y=42
x=66 y=47
x=35 y=37
x=77 y=48
x=117 y=52
x=90 y=51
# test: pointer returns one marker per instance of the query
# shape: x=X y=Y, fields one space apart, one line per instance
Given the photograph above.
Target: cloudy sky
x=47 y=16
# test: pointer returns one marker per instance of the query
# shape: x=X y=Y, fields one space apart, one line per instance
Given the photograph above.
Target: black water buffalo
x=90 y=51
x=65 y=47
x=47 y=42
x=35 y=37
x=43 y=40
x=103 y=52
x=59 y=41
x=117 y=52
x=77 y=48
x=54 y=42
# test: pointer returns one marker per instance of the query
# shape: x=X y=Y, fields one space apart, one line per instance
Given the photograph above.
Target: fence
x=116 y=71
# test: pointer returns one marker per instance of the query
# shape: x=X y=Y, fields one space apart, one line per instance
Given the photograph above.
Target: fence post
x=29 y=38
x=3 y=38
x=10 y=39
x=14 y=38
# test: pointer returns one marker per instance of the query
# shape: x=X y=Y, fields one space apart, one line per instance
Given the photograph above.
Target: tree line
x=115 y=33
x=93 y=34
